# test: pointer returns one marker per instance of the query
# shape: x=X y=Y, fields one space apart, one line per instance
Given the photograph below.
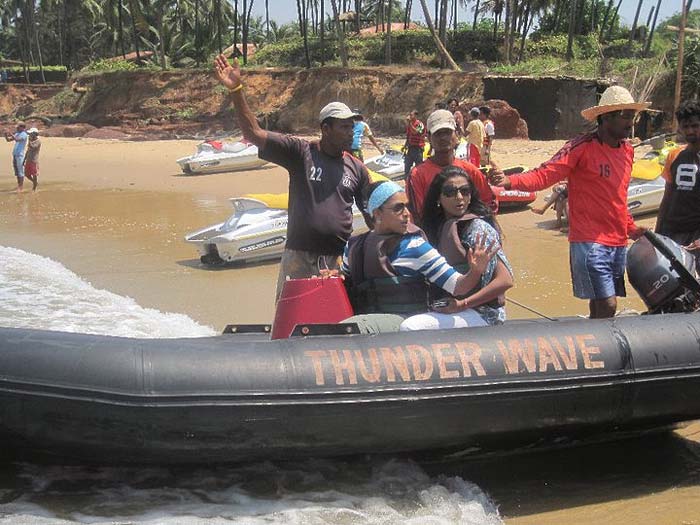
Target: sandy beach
x=116 y=214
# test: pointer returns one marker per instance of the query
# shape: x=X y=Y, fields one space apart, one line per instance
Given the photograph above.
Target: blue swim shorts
x=597 y=271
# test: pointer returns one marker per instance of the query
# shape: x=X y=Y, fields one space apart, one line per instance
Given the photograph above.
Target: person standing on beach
x=475 y=137
x=598 y=166
x=415 y=142
x=31 y=161
x=679 y=214
x=324 y=180
x=489 y=133
x=453 y=106
x=443 y=139
x=359 y=130
x=20 y=139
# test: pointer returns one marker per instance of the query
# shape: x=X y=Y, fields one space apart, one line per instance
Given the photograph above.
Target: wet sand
x=116 y=214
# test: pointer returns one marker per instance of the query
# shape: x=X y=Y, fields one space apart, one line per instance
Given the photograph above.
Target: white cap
x=33 y=130
x=335 y=110
x=441 y=119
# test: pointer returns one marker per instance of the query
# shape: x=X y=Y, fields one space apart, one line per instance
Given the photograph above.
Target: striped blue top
x=416 y=257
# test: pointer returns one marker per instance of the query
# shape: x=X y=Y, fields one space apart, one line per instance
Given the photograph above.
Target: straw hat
x=615 y=98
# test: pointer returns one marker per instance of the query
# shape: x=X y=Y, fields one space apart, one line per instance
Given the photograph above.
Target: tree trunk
x=135 y=30
x=647 y=47
x=121 y=28
x=267 y=20
x=246 y=29
x=387 y=47
x=302 y=28
x=636 y=19
x=613 y=19
x=441 y=49
x=651 y=13
x=358 y=10
x=407 y=15
x=572 y=27
x=340 y=35
x=161 y=43
x=506 y=32
x=605 y=20
x=236 y=24
x=476 y=14
x=323 y=33
x=526 y=28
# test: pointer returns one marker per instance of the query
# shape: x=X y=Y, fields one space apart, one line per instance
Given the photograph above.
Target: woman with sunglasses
x=388 y=269
x=457 y=222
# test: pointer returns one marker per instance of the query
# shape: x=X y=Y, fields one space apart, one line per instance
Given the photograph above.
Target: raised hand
x=481 y=254
x=228 y=74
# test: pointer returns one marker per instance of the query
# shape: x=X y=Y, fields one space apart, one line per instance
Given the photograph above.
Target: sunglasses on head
x=451 y=191
x=398 y=208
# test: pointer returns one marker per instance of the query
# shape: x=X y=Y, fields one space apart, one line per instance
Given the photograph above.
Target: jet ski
x=390 y=164
x=214 y=156
x=255 y=232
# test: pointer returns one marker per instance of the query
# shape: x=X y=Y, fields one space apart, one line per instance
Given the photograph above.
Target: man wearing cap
x=443 y=139
x=359 y=130
x=31 y=161
x=20 y=139
x=324 y=180
x=475 y=136
x=598 y=166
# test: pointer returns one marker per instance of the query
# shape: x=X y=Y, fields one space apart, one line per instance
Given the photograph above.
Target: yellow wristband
x=237 y=88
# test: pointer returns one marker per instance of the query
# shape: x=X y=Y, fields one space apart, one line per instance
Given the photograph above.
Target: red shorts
x=474 y=155
x=31 y=169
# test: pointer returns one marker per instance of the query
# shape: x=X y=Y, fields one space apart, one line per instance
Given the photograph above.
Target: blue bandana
x=381 y=194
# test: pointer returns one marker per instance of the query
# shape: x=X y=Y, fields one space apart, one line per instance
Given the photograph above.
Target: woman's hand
x=229 y=74
x=480 y=255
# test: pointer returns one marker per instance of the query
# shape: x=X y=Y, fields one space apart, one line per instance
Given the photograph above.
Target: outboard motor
x=663 y=275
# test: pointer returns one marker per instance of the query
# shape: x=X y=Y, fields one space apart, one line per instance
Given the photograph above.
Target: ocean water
x=37 y=292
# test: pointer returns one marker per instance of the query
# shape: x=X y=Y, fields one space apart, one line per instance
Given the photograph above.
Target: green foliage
x=19 y=69
x=585 y=46
x=406 y=47
x=110 y=65
x=622 y=48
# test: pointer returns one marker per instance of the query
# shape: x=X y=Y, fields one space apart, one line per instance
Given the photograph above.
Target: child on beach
x=31 y=160
x=558 y=198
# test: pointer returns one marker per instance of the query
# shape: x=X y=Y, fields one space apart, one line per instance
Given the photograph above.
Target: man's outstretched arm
x=229 y=75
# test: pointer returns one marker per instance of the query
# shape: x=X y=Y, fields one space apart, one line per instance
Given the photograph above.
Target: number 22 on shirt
x=315 y=174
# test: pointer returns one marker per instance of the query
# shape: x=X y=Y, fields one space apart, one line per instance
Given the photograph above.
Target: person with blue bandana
x=20 y=138
x=388 y=269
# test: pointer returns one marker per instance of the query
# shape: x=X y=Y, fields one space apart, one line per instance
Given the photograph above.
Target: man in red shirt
x=443 y=139
x=415 y=142
x=598 y=166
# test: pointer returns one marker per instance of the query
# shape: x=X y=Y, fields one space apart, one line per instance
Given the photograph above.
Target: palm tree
x=438 y=44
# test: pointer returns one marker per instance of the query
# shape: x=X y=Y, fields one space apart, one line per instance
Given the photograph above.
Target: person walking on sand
x=598 y=166
x=359 y=130
x=31 y=160
x=20 y=139
x=324 y=180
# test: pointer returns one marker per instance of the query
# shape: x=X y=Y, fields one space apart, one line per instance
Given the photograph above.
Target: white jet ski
x=644 y=196
x=214 y=156
x=255 y=232
x=390 y=164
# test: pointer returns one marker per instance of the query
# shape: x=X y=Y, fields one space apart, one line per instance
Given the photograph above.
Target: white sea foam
x=372 y=492
x=37 y=292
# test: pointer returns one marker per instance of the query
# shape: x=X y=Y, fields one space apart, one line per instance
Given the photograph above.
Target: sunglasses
x=398 y=208
x=451 y=191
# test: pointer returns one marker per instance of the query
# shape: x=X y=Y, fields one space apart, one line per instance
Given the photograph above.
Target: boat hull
x=243 y=397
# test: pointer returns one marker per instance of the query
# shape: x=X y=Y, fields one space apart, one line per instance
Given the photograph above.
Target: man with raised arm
x=598 y=166
x=324 y=180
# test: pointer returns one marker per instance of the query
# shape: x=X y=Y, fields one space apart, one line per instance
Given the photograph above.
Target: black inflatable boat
x=242 y=396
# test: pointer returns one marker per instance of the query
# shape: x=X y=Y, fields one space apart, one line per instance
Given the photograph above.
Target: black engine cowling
x=663 y=275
